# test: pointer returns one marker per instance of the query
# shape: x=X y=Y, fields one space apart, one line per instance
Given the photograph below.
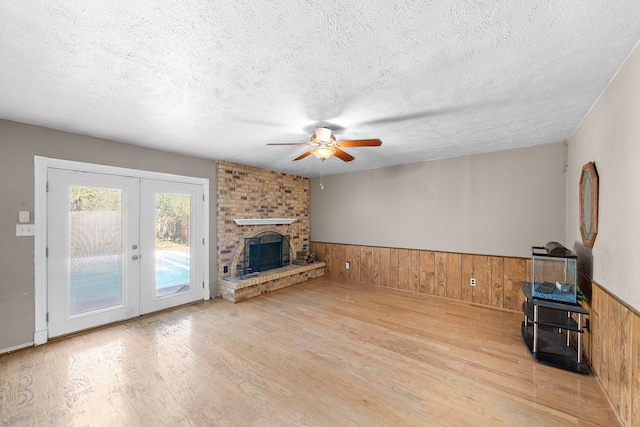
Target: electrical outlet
x=472 y=281
x=347 y=265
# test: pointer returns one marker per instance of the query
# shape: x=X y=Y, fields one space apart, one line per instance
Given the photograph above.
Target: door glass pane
x=173 y=243
x=95 y=249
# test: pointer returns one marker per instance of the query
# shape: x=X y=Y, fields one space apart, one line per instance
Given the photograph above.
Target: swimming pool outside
x=96 y=281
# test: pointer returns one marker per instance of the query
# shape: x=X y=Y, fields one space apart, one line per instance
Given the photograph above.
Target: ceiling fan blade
x=289 y=143
x=302 y=156
x=359 y=143
x=346 y=157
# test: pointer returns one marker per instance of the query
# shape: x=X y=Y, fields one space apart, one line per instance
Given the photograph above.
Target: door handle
x=135 y=257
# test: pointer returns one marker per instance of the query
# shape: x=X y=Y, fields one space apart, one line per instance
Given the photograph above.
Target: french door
x=120 y=246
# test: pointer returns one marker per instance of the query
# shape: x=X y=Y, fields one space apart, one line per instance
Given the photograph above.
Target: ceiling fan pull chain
x=322 y=175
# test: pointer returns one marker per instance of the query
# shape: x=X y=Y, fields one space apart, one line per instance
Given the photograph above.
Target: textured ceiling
x=220 y=79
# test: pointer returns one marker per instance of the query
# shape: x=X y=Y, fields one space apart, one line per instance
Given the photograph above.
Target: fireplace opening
x=265 y=251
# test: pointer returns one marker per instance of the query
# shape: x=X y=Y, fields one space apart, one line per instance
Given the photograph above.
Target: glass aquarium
x=554 y=273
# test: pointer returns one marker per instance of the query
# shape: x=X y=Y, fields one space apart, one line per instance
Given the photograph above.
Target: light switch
x=25 y=230
x=23 y=217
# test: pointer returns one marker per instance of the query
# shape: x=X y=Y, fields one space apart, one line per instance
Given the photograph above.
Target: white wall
x=610 y=136
x=498 y=203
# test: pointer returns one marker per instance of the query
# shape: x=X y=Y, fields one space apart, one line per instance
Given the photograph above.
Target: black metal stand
x=543 y=327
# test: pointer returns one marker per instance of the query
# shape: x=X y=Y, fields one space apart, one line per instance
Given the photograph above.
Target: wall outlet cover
x=25 y=230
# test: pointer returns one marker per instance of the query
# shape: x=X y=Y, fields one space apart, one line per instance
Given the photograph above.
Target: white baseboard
x=15 y=347
x=40 y=337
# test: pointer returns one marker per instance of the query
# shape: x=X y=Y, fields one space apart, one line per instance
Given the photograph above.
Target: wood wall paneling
x=328 y=258
x=352 y=256
x=625 y=363
x=441 y=274
x=454 y=272
x=375 y=265
x=514 y=275
x=337 y=261
x=414 y=285
x=497 y=281
x=385 y=267
x=348 y=274
x=635 y=376
x=404 y=269
x=394 y=267
x=467 y=273
x=586 y=336
x=615 y=352
x=427 y=273
x=319 y=249
x=366 y=262
x=615 y=356
x=594 y=335
x=603 y=324
x=482 y=274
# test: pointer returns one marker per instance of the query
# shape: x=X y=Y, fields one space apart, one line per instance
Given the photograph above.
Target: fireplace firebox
x=265 y=251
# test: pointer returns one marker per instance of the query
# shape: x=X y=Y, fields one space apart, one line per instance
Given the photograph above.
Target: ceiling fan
x=324 y=145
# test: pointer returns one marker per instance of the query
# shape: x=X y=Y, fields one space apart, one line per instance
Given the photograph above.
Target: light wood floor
x=322 y=353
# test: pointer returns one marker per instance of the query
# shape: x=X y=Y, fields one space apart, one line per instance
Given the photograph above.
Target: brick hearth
x=239 y=288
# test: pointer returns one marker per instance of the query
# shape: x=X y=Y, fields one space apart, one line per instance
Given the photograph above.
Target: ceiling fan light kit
x=324 y=145
x=323 y=152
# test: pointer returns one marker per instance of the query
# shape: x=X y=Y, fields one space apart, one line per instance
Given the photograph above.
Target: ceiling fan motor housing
x=324 y=135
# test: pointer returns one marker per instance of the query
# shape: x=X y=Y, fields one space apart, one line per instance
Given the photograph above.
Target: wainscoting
x=614 y=352
x=611 y=345
x=498 y=279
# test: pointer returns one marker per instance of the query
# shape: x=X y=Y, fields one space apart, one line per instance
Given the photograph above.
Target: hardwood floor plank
x=323 y=352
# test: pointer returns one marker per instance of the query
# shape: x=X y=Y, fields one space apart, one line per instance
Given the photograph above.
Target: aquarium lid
x=553 y=249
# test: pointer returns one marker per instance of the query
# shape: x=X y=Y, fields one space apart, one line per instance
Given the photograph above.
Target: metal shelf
x=551 y=317
x=553 y=348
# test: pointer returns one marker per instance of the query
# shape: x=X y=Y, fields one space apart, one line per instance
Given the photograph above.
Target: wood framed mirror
x=589 y=204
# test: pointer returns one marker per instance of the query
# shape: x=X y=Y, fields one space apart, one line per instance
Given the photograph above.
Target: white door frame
x=41 y=164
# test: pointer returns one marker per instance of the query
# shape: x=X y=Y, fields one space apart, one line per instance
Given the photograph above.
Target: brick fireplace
x=246 y=192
